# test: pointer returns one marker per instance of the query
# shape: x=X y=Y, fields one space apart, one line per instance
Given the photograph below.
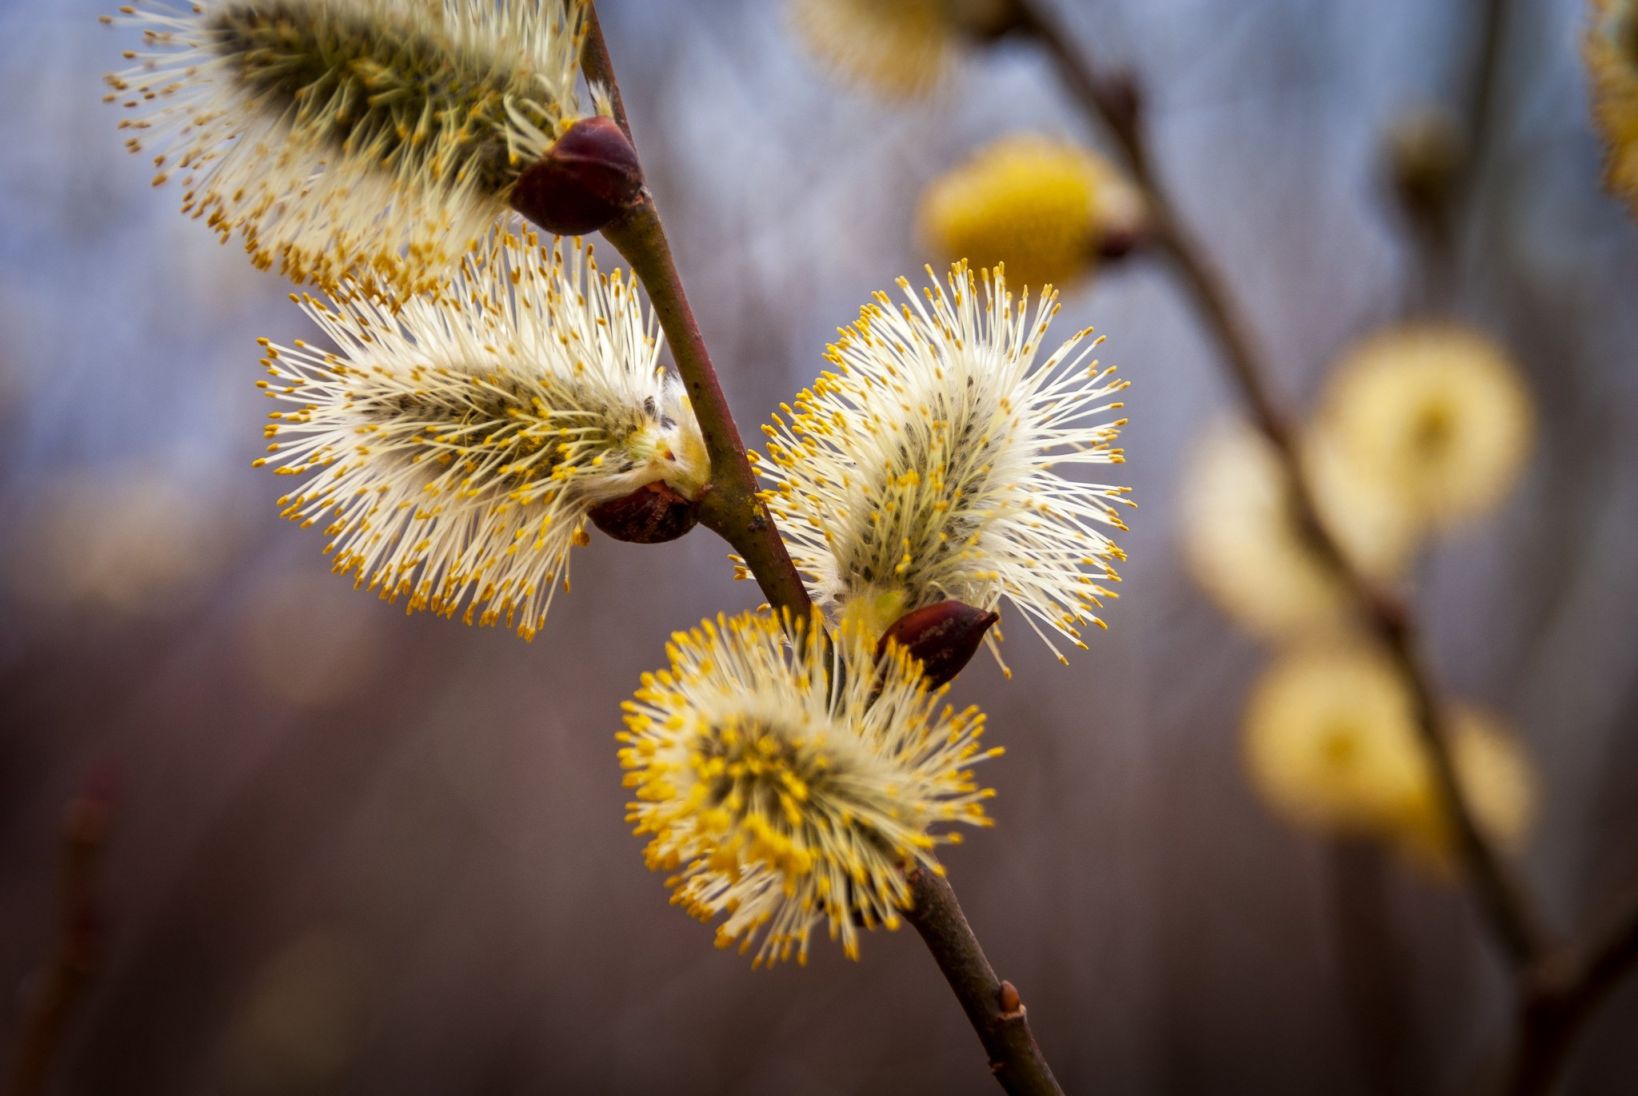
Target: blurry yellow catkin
x=1497 y=782
x=1435 y=415
x=897 y=48
x=1243 y=543
x=1331 y=744
x=1045 y=208
x=1611 y=49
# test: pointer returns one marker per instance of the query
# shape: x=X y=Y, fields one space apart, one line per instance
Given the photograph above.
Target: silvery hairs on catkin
x=345 y=138
x=457 y=445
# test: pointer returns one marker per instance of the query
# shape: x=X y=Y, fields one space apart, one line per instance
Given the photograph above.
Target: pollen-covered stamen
x=782 y=788
x=352 y=142
x=926 y=465
x=1611 y=50
x=456 y=446
x=397 y=95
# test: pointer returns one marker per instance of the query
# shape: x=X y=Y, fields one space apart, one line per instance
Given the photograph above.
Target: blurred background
x=359 y=852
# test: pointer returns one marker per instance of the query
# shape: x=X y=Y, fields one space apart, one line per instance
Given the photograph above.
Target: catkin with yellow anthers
x=455 y=447
x=1245 y=542
x=351 y=142
x=1331 y=743
x=897 y=48
x=1436 y=415
x=1044 y=208
x=929 y=463
x=788 y=782
x=1611 y=50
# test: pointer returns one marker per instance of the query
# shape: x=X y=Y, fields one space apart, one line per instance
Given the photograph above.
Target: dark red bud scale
x=944 y=636
x=589 y=177
x=652 y=514
x=1119 y=241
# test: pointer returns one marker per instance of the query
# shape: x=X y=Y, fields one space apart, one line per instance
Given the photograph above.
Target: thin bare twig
x=733 y=510
x=1115 y=104
x=594 y=61
x=1372 y=965
x=1564 y=992
x=62 y=983
x=993 y=1007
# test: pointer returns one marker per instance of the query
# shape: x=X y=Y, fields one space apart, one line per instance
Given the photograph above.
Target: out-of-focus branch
x=733 y=510
x=1371 y=965
x=993 y=1007
x=1564 y=992
x=63 y=981
x=1116 y=104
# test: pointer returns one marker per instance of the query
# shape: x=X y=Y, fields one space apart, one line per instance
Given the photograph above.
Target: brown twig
x=1563 y=993
x=1115 y=104
x=733 y=510
x=62 y=983
x=993 y=1007
x=1371 y=965
x=594 y=61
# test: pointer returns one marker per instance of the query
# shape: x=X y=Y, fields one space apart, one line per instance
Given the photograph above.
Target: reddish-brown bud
x=652 y=514
x=944 y=636
x=1119 y=241
x=587 y=178
x=1011 y=1004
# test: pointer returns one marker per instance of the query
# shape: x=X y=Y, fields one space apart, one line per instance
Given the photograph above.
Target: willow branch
x=1371 y=964
x=1563 y=993
x=62 y=983
x=733 y=510
x=594 y=61
x=731 y=507
x=1501 y=900
x=993 y=1007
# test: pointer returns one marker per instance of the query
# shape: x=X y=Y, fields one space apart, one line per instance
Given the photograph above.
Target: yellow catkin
x=362 y=142
x=1332 y=745
x=1040 y=206
x=1611 y=50
x=452 y=447
x=934 y=460
x=788 y=782
x=1435 y=415
x=896 y=48
x=1244 y=545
